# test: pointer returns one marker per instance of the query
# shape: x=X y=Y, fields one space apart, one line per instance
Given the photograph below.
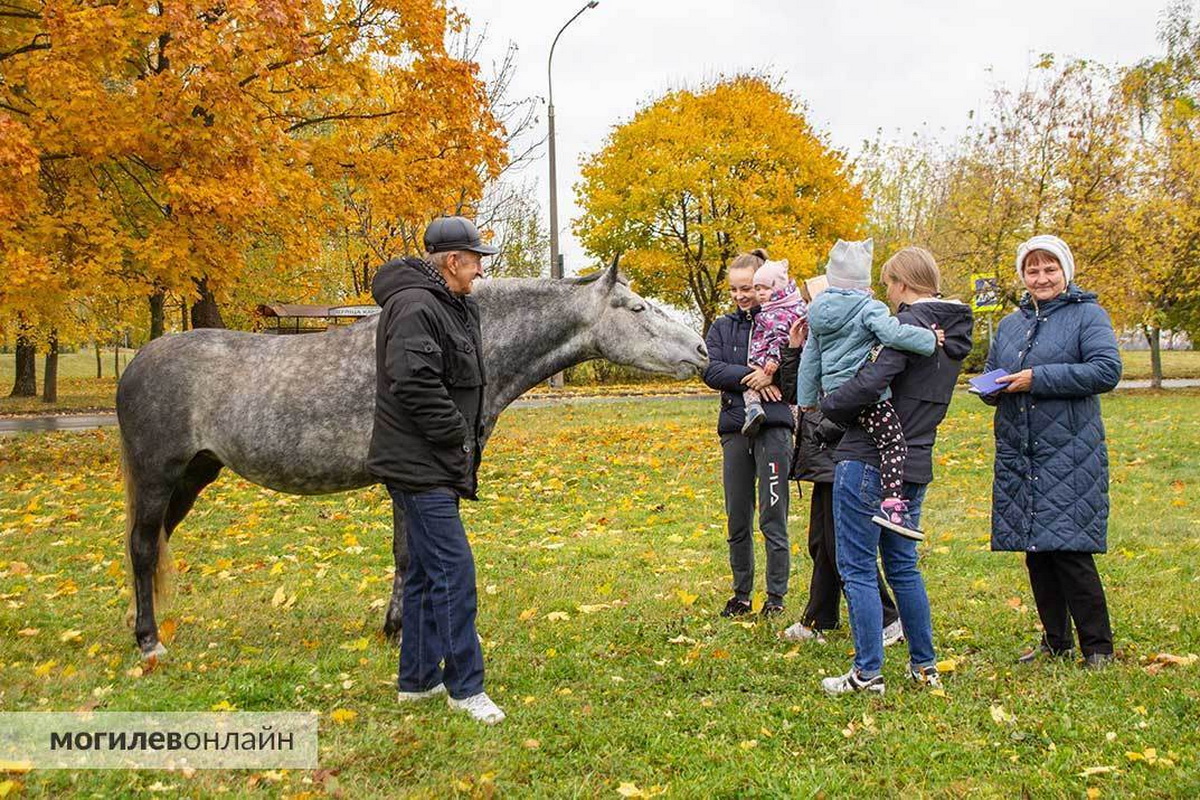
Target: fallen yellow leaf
x=343 y=715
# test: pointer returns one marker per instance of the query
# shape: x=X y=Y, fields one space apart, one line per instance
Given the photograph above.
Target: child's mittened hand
x=940 y=334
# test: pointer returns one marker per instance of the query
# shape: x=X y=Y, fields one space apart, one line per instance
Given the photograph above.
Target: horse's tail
x=164 y=568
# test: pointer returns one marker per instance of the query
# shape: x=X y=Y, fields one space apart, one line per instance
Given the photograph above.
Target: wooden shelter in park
x=292 y=318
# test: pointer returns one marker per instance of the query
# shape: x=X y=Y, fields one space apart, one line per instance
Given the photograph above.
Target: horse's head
x=630 y=330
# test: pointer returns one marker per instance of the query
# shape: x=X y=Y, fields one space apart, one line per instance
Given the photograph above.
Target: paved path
x=83 y=422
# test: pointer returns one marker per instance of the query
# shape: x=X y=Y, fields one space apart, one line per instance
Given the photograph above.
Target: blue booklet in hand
x=986 y=383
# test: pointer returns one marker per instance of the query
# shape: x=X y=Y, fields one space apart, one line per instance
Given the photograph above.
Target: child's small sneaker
x=411 y=697
x=894 y=516
x=800 y=632
x=852 y=682
x=925 y=676
x=736 y=608
x=893 y=633
x=479 y=706
x=754 y=419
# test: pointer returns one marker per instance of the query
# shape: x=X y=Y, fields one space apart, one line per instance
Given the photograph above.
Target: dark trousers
x=1066 y=586
x=765 y=459
x=825 y=588
x=439 y=598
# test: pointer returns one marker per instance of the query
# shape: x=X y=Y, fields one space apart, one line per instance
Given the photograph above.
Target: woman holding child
x=1050 y=495
x=746 y=362
x=921 y=387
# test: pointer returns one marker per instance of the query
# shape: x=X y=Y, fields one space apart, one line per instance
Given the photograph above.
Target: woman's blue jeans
x=856 y=498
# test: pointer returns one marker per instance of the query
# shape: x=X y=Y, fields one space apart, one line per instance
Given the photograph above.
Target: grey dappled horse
x=294 y=413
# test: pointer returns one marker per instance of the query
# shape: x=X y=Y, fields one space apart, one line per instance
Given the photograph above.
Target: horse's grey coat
x=294 y=413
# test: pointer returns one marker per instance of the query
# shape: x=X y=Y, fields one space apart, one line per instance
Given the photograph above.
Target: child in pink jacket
x=780 y=305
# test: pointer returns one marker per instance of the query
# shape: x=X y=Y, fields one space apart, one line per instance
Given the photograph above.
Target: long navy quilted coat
x=1051 y=474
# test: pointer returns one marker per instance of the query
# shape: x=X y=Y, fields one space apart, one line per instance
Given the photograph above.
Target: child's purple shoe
x=894 y=516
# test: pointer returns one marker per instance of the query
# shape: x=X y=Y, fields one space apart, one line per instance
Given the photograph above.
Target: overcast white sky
x=859 y=66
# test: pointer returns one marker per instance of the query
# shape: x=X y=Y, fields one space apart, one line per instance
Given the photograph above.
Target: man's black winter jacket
x=429 y=383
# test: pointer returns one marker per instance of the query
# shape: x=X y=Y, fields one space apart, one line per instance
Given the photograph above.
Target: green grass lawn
x=79 y=389
x=601 y=568
x=1176 y=364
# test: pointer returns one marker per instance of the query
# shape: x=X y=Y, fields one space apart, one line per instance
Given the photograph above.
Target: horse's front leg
x=392 y=624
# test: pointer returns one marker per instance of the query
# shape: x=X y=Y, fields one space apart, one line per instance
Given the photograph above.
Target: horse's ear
x=611 y=274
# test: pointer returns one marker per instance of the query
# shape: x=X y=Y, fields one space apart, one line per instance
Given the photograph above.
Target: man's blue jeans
x=439 y=598
x=856 y=498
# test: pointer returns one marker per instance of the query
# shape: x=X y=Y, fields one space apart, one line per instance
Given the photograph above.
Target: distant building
x=291 y=318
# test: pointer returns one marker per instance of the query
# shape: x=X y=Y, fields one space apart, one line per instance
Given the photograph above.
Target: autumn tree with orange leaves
x=161 y=147
x=698 y=176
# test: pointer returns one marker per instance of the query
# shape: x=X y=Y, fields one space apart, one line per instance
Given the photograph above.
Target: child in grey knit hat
x=845 y=322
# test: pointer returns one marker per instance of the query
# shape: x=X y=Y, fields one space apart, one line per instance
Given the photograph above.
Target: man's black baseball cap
x=455 y=233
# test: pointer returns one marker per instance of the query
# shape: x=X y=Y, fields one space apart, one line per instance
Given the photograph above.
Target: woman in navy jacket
x=1050 y=495
x=765 y=458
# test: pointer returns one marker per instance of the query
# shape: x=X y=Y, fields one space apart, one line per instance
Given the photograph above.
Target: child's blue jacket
x=843 y=326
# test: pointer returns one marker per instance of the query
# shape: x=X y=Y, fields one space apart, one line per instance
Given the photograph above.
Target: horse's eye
x=637 y=308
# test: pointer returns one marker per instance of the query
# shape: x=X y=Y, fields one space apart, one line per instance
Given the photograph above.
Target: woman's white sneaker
x=479 y=706
x=410 y=697
x=852 y=682
x=893 y=633
x=800 y=632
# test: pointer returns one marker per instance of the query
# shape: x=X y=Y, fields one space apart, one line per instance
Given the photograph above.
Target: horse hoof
x=155 y=653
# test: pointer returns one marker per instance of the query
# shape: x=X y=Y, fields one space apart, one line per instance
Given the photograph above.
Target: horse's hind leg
x=393 y=623
x=147 y=543
x=201 y=471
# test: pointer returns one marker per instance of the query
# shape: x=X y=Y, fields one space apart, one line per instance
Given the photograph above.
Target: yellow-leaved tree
x=700 y=175
x=160 y=147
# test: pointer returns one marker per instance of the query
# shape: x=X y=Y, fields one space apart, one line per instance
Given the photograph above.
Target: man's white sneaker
x=851 y=682
x=479 y=706
x=802 y=633
x=410 y=697
x=893 y=633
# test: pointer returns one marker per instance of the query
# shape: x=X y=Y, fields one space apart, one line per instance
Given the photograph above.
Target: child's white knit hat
x=849 y=264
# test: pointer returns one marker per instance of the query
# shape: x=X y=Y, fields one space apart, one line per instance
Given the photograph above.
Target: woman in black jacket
x=812 y=461
x=764 y=459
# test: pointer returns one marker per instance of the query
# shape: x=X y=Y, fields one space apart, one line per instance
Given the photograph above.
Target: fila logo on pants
x=773 y=484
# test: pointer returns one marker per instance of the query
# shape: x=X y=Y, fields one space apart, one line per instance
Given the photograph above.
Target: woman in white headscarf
x=1050 y=495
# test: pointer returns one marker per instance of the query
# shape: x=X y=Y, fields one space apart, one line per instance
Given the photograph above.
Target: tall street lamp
x=556 y=266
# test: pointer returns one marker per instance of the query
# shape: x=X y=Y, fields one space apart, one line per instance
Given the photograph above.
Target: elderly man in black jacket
x=425 y=447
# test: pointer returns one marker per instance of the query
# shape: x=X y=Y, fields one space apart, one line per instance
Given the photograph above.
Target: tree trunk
x=1154 y=337
x=50 y=373
x=25 y=382
x=183 y=315
x=117 y=359
x=158 y=302
x=205 y=311
x=99 y=363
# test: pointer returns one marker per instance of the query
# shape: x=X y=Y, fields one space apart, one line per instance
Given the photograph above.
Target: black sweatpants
x=825 y=587
x=1066 y=586
x=766 y=460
